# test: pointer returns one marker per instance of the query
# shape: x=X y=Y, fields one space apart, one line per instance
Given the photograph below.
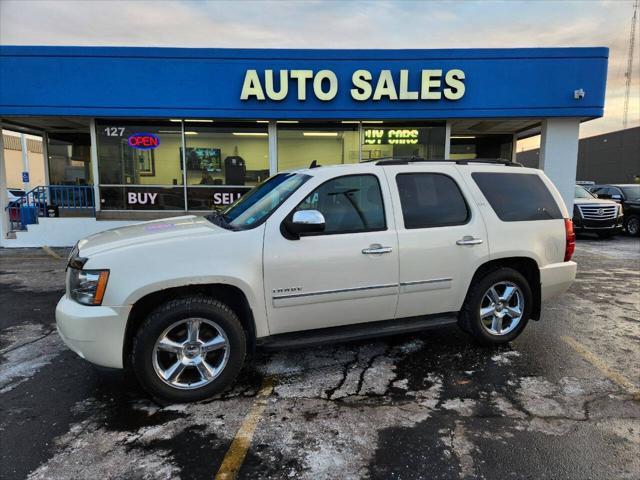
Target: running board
x=359 y=331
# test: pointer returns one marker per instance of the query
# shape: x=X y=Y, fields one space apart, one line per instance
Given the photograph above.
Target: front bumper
x=94 y=333
x=556 y=278
x=581 y=225
x=612 y=228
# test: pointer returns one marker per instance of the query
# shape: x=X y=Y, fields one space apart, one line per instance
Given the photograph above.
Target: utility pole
x=628 y=73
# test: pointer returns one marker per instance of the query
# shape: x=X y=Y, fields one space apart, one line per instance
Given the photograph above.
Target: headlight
x=87 y=286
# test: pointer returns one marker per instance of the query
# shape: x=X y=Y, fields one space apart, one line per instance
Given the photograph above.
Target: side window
x=430 y=200
x=517 y=197
x=349 y=204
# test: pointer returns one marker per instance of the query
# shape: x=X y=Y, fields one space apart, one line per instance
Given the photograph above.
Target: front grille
x=598 y=212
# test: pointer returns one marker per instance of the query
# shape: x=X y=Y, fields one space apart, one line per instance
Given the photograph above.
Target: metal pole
x=360 y=141
x=184 y=167
x=273 y=148
x=447 y=140
x=25 y=162
x=45 y=154
x=4 y=217
x=95 y=171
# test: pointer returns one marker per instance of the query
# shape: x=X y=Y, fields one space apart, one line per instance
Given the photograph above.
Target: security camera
x=578 y=94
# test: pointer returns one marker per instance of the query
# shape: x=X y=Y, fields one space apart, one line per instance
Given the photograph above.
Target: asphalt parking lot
x=562 y=401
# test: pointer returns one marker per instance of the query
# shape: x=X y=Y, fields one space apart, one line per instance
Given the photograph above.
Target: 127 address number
x=114 y=131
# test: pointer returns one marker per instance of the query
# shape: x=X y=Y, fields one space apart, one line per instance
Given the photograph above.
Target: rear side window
x=430 y=200
x=517 y=197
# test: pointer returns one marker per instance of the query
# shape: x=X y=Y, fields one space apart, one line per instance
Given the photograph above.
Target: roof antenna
x=314 y=164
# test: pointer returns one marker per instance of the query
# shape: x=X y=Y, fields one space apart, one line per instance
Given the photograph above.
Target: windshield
x=582 y=192
x=631 y=192
x=255 y=206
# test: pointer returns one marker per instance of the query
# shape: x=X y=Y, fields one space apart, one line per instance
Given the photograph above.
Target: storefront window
x=328 y=143
x=132 y=155
x=386 y=139
x=464 y=147
x=224 y=160
x=69 y=158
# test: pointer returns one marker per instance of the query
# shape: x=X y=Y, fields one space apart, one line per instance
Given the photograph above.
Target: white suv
x=319 y=255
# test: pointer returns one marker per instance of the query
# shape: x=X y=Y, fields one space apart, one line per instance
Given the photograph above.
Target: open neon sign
x=144 y=141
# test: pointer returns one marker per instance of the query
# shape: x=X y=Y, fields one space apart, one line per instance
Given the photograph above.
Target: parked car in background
x=627 y=195
x=319 y=255
x=596 y=215
x=14 y=194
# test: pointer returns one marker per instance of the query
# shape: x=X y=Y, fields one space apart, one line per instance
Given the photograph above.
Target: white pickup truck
x=323 y=254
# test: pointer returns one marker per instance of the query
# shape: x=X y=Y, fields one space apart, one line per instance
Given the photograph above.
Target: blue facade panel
x=168 y=82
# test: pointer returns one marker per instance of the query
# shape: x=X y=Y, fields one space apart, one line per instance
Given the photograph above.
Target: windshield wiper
x=217 y=218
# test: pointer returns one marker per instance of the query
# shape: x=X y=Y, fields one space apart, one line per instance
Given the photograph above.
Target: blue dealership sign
x=303 y=84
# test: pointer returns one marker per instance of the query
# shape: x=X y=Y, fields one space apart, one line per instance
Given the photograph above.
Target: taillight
x=571 y=239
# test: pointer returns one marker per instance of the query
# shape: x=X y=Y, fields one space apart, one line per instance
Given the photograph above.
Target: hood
x=594 y=201
x=147 y=232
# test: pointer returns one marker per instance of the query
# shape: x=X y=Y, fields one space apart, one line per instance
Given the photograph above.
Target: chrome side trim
x=420 y=282
x=341 y=290
x=418 y=286
x=337 y=295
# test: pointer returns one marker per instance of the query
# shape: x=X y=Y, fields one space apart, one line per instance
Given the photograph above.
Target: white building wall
x=60 y=232
x=559 y=154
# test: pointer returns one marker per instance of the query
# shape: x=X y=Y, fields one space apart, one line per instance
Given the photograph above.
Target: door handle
x=376 y=249
x=468 y=240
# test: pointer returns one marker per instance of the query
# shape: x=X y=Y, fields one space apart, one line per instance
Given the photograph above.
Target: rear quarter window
x=517 y=197
x=431 y=200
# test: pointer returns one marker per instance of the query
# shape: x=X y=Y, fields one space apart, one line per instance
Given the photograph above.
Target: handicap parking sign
x=25 y=177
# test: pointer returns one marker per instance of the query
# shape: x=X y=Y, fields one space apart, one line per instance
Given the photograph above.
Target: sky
x=342 y=24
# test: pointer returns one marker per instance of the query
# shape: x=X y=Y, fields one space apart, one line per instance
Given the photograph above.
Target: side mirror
x=595 y=195
x=305 y=221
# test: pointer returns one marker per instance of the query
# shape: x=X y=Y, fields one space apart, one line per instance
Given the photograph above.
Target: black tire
x=163 y=318
x=469 y=317
x=633 y=225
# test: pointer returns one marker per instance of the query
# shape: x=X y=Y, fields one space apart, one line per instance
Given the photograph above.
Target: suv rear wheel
x=188 y=349
x=497 y=307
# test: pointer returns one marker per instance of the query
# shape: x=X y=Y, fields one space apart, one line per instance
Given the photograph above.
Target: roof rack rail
x=407 y=160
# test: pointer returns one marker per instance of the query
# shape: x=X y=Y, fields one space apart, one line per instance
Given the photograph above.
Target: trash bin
x=14 y=213
x=53 y=211
x=28 y=214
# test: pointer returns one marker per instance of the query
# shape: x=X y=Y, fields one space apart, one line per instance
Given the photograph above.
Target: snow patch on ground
x=464 y=406
x=21 y=362
x=505 y=357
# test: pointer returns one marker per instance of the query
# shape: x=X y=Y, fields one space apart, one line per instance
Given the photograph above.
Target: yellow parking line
x=51 y=253
x=242 y=441
x=597 y=362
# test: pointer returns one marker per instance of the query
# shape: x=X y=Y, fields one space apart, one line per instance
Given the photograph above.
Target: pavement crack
x=345 y=372
x=368 y=367
x=16 y=347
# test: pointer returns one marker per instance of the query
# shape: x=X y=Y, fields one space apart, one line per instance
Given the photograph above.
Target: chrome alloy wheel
x=501 y=308
x=191 y=353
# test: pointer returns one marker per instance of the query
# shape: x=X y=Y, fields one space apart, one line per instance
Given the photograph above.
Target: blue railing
x=47 y=201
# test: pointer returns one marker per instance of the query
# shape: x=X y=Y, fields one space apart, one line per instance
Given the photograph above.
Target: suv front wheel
x=188 y=349
x=633 y=225
x=497 y=307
